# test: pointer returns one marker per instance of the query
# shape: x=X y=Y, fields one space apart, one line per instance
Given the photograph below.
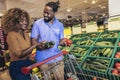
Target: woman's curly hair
x=11 y=19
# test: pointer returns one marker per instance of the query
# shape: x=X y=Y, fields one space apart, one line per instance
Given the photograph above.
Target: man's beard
x=47 y=20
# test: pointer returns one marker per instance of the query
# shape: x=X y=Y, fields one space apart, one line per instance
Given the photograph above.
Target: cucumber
x=103 y=50
x=110 y=53
x=104 y=43
x=98 y=52
x=83 y=53
x=76 y=55
x=99 y=64
x=87 y=67
x=84 y=65
x=97 y=69
x=79 y=59
x=106 y=51
x=49 y=44
x=102 y=61
x=95 y=51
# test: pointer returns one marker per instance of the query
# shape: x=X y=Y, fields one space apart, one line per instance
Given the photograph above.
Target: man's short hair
x=53 y=5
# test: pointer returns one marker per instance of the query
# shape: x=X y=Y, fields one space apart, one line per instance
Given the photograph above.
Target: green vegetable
x=49 y=44
x=106 y=51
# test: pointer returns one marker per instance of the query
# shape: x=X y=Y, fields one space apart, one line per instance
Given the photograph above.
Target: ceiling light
x=85 y=1
x=86 y=24
x=103 y=14
x=96 y=15
x=93 y=2
x=69 y=9
x=77 y=19
x=99 y=5
x=1 y=14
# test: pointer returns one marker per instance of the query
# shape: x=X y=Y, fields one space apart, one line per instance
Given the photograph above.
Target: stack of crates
x=114 y=70
x=100 y=52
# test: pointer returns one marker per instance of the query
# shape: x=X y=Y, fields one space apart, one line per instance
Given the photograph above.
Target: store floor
x=4 y=75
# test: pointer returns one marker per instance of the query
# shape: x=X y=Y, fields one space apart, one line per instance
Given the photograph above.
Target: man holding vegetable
x=49 y=29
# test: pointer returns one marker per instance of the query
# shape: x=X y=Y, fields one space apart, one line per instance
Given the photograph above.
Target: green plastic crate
x=118 y=41
x=114 y=30
x=112 y=76
x=104 y=51
x=109 y=34
x=106 y=42
x=66 y=48
x=119 y=35
x=88 y=70
x=90 y=35
x=117 y=49
x=85 y=36
x=85 y=42
x=79 y=50
x=76 y=37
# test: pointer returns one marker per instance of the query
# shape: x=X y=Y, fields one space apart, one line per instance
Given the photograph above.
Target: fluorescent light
x=93 y=2
x=85 y=1
x=1 y=14
x=99 y=5
x=69 y=9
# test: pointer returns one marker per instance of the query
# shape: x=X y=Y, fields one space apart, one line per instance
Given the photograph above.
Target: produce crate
x=66 y=48
x=101 y=51
x=100 y=30
x=91 y=35
x=79 y=50
x=113 y=72
x=119 y=35
x=114 y=30
x=76 y=37
x=116 y=53
x=106 y=42
x=85 y=42
x=118 y=41
x=96 y=66
x=109 y=34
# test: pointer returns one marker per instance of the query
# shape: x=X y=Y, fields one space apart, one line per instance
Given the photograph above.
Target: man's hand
x=62 y=42
x=65 y=42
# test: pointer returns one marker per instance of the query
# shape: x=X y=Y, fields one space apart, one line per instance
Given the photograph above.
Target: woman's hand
x=40 y=45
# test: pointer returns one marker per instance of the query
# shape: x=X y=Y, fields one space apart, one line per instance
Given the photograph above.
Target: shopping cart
x=72 y=70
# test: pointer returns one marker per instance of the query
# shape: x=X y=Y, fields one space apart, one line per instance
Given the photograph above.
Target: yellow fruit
x=7 y=64
x=35 y=69
x=34 y=51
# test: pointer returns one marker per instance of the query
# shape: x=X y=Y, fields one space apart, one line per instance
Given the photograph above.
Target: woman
x=15 y=22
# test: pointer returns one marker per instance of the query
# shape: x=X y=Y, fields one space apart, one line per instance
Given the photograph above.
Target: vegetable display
x=96 y=64
x=102 y=52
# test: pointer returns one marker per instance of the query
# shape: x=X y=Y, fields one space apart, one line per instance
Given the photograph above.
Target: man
x=45 y=30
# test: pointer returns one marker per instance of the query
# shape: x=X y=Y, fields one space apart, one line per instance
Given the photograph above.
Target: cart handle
x=26 y=70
